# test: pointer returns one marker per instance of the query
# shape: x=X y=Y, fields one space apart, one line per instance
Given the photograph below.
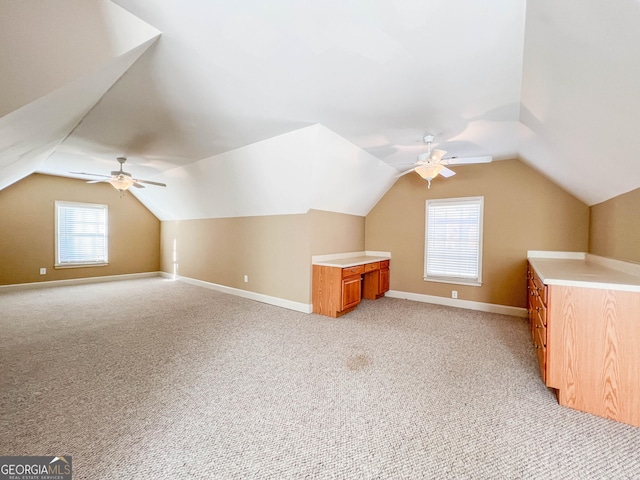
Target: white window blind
x=453 y=240
x=81 y=234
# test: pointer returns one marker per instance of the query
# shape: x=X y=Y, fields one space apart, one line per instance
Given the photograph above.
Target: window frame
x=457 y=280
x=98 y=262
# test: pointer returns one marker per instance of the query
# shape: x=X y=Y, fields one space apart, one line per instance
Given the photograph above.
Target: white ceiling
x=226 y=81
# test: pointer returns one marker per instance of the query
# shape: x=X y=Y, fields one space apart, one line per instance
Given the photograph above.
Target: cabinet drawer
x=384 y=264
x=541 y=310
x=531 y=288
x=540 y=334
x=540 y=342
x=543 y=294
x=357 y=270
x=370 y=267
x=540 y=287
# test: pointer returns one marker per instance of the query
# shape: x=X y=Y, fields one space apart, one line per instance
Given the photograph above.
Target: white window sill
x=80 y=265
x=454 y=281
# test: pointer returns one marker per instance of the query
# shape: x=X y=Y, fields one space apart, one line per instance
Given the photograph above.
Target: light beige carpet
x=155 y=379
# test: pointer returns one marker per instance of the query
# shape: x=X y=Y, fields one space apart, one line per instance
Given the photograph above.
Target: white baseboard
x=456 y=302
x=259 y=297
x=77 y=281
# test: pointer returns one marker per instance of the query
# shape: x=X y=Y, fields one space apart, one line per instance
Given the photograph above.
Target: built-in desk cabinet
x=587 y=342
x=338 y=290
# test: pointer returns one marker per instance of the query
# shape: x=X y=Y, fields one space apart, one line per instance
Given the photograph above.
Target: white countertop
x=350 y=259
x=585 y=270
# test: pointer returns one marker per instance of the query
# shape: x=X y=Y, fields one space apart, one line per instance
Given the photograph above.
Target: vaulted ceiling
x=256 y=108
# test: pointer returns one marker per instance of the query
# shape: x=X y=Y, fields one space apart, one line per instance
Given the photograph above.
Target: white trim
x=375 y=253
x=452 y=302
x=620 y=265
x=259 y=297
x=452 y=280
x=336 y=256
x=76 y=281
x=556 y=255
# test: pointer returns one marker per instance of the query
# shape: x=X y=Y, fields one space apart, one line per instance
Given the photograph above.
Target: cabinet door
x=384 y=281
x=350 y=291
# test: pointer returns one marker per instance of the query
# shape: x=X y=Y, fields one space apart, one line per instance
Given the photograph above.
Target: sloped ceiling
x=256 y=108
x=52 y=75
x=580 y=108
x=257 y=179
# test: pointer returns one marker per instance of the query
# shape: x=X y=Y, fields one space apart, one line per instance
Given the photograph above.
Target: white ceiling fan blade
x=96 y=181
x=468 y=160
x=404 y=173
x=149 y=182
x=446 y=173
x=137 y=185
x=415 y=164
x=91 y=174
x=434 y=156
x=437 y=154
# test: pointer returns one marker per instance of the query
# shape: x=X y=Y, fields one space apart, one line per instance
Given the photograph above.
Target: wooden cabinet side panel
x=326 y=293
x=594 y=351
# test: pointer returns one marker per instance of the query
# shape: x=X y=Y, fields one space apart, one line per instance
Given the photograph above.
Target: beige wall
x=274 y=251
x=615 y=227
x=27 y=230
x=522 y=211
x=335 y=232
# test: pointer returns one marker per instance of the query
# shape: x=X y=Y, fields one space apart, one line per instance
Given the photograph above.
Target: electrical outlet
x=246 y=279
x=454 y=294
x=43 y=271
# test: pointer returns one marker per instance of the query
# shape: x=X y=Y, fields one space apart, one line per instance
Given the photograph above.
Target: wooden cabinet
x=376 y=280
x=351 y=288
x=384 y=277
x=587 y=342
x=338 y=290
x=537 y=309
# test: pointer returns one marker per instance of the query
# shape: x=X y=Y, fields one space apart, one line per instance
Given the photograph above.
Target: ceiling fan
x=120 y=179
x=432 y=163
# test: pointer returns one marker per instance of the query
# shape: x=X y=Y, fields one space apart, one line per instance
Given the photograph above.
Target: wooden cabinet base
x=587 y=342
x=336 y=291
x=594 y=342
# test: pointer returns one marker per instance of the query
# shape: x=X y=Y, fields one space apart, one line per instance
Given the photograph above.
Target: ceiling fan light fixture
x=121 y=182
x=429 y=172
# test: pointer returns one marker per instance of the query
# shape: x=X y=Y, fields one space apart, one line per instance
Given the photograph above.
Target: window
x=453 y=240
x=81 y=234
